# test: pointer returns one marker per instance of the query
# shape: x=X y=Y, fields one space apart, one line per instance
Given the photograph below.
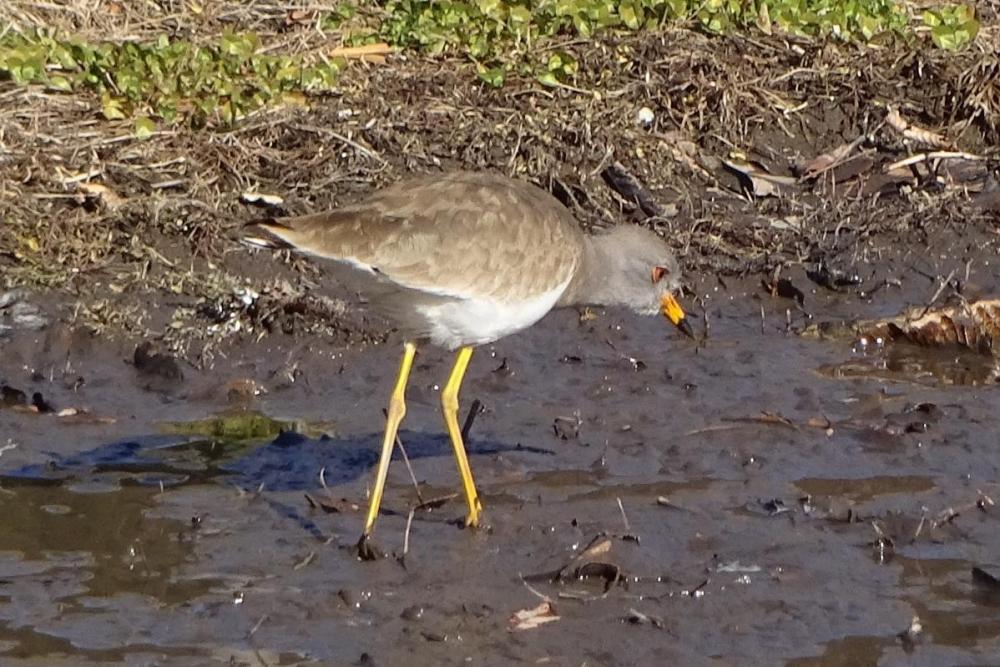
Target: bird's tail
x=265 y=233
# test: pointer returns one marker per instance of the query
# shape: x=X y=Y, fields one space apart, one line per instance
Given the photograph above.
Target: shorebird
x=463 y=259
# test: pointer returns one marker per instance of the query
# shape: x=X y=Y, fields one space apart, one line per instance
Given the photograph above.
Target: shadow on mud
x=291 y=461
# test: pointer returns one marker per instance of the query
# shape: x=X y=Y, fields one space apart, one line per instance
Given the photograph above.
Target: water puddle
x=912 y=364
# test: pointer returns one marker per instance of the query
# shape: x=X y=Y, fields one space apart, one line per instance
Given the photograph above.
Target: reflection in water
x=952 y=611
x=928 y=366
x=107 y=534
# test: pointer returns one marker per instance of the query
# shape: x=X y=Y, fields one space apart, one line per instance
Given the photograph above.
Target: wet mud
x=749 y=503
x=188 y=431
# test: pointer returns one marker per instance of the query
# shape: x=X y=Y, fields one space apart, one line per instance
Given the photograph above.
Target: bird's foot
x=475 y=514
x=367 y=549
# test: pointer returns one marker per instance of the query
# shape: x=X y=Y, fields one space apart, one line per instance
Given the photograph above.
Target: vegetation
x=173 y=79
x=495 y=32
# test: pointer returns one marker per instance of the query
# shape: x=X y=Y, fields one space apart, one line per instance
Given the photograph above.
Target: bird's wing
x=457 y=238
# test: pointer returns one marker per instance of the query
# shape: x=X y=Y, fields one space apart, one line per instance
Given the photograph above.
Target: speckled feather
x=456 y=235
x=466 y=258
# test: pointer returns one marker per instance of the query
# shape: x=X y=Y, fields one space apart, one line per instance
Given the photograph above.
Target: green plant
x=499 y=35
x=165 y=79
x=951 y=26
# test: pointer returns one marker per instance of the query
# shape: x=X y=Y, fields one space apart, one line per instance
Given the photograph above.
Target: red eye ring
x=658 y=273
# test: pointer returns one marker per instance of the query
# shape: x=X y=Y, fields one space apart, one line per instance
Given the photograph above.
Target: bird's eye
x=659 y=272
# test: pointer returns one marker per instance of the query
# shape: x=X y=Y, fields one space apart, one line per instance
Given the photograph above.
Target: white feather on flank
x=476 y=321
x=258 y=242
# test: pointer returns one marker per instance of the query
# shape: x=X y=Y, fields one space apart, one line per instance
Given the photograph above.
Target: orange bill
x=673 y=312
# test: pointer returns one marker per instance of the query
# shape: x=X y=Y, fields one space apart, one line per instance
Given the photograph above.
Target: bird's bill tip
x=673 y=312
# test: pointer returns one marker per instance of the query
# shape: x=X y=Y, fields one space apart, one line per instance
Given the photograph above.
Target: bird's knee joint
x=449 y=402
x=397 y=407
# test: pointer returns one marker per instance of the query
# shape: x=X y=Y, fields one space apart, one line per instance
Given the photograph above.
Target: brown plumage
x=463 y=259
x=475 y=237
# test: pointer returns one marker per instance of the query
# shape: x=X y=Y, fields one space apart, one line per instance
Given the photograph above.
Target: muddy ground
x=763 y=497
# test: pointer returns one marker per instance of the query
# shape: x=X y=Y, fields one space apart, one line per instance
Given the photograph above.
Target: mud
x=760 y=510
x=187 y=432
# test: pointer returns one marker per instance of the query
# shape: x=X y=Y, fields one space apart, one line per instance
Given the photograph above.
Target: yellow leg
x=397 y=408
x=449 y=406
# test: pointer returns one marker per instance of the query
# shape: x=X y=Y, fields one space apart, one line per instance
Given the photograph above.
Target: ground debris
x=331 y=505
x=786 y=289
x=174 y=240
x=987 y=576
x=970 y=324
x=16 y=312
x=915 y=133
x=148 y=361
x=911 y=635
x=632 y=191
x=832 y=159
x=636 y=617
x=757 y=181
x=833 y=278
x=529 y=619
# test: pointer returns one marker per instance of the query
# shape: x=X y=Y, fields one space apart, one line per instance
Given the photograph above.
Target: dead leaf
x=764 y=20
x=100 y=193
x=914 y=133
x=374 y=53
x=683 y=150
x=972 y=324
x=784 y=288
x=827 y=161
x=299 y=16
x=757 y=181
x=241 y=389
x=529 y=619
x=636 y=617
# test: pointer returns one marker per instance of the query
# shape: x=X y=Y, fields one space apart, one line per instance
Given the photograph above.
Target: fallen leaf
x=244 y=388
x=757 y=181
x=300 y=16
x=784 y=288
x=827 y=161
x=375 y=53
x=99 y=192
x=529 y=619
x=973 y=324
x=914 y=133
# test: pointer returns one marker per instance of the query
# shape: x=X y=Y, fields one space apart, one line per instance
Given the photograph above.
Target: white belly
x=479 y=321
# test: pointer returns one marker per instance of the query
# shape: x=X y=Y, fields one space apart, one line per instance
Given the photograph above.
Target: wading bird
x=463 y=259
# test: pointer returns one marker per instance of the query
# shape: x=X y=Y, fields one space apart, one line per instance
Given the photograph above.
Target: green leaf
x=495 y=76
x=144 y=128
x=548 y=79
x=60 y=83
x=631 y=14
x=111 y=107
x=520 y=14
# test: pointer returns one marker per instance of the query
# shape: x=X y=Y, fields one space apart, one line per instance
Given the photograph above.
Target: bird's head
x=650 y=274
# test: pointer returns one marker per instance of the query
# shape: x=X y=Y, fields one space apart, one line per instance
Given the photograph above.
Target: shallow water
x=761 y=508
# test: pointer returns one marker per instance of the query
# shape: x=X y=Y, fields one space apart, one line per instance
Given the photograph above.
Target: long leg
x=397 y=408
x=449 y=406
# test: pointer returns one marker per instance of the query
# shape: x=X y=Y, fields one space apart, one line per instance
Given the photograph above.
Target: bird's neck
x=595 y=281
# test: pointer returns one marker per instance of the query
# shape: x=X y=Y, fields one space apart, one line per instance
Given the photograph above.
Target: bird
x=461 y=259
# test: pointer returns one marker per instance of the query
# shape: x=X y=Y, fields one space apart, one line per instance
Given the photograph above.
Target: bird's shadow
x=289 y=462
